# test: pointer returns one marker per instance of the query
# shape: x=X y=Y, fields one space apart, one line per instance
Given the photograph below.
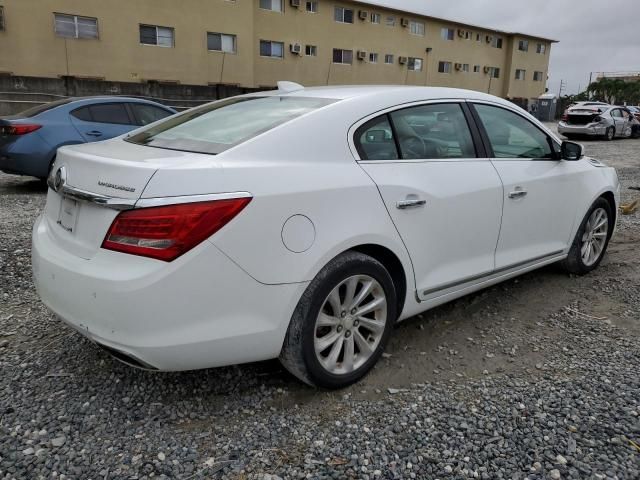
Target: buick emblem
x=59 y=179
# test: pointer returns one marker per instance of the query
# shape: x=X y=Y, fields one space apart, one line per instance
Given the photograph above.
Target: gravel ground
x=535 y=378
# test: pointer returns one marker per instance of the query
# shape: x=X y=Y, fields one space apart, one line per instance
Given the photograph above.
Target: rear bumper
x=197 y=312
x=590 y=129
x=26 y=158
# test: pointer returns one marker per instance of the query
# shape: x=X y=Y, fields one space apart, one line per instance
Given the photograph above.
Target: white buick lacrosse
x=304 y=223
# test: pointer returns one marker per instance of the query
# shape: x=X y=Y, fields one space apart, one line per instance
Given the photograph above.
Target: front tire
x=342 y=323
x=591 y=241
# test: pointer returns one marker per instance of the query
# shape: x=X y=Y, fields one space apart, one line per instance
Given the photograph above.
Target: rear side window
x=82 y=114
x=33 y=111
x=218 y=126
x=110 y=113
x=512 y=136
x=146 y=114
x=425 y=132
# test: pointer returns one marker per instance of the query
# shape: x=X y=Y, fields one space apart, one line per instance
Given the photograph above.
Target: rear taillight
x=165 y=233
x=565 y=117
x=19 y=129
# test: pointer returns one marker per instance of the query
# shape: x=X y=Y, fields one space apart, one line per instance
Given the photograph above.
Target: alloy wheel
x=594 y=238
x=350 y=325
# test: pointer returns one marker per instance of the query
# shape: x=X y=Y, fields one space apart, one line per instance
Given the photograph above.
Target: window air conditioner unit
x=403 y=60
x=363 y=14
x=461 y=33
x=458 y=66
x=487 y=69
x=295 y=3
x=362 y=55
x=296 y=48
x=404 y=22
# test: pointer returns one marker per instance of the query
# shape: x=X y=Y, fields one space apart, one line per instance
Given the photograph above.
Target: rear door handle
x=518 y=194
x=94 y=133
x=404 y=204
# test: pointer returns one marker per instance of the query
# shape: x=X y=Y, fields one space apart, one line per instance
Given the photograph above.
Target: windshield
x=217 y=127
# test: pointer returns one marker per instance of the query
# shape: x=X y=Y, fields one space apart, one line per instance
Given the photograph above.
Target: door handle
x=518 y=194
x=94 y=133
x=404 y=204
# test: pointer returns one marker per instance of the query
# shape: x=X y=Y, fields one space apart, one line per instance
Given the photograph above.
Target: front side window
x=343 y=15
x=271 y=49
x=73 y=26
x=438 y=131
x=447 y=33
x=221 y=42
x=273 y=5
x=444 y=67
x=342 y=56
x=416 y=28
x=155 y=35
x=218 y=126
x=414 y=64
x=513 y=136
x=146 y=114
x=110 y=113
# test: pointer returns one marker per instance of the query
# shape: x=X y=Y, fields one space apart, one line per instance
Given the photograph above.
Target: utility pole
x=563 y=85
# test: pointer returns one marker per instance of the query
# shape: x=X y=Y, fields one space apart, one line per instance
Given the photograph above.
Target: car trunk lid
x=90 y=184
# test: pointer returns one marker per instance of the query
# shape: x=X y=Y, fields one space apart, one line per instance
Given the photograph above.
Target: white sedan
x=304 y=223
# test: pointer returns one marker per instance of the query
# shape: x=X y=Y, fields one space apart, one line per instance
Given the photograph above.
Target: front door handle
x=94 y=133
x=518 y=193
x=404 y=204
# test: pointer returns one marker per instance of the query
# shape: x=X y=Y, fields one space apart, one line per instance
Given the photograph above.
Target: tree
x=615 y=90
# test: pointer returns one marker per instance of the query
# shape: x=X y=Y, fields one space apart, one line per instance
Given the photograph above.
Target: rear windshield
x=37 y=110
x=217 y=127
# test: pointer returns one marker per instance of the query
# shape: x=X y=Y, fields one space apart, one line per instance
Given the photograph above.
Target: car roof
x=112 y=98
x=346 y=92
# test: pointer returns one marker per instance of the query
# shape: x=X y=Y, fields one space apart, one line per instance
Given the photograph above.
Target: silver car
x=599 y=120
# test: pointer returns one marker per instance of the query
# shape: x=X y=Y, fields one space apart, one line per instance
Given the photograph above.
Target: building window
x=444 y=67
x=520 y=74
x=496 y=42
x=390 y=21
x=523 y=45
x=73 y=26
x=311 y=50
x=538 y=76
x=343 y=15
x=273 y=5
x=312 y=7
x=414 y=64
x=2 y=27
x=495 y=72
x=154 y=35
x=478 y=37
x=416 y=28
x=373 y=57
x=221 y=42
x=465 y=67
x=375 y=18
x=342 y=56
x=541 y=48
x=476 y=69
x=388 y=59
x=447 y=33
x=271 y=49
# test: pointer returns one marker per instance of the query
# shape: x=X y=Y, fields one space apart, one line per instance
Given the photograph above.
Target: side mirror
x=571 y=151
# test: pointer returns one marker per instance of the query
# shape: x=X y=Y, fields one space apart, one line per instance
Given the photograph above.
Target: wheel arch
x=393 y=265
x=611 y=200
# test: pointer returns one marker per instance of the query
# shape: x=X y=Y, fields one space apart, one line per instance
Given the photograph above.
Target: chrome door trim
x=489 y=275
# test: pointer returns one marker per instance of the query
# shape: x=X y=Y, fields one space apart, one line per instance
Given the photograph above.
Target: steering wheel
x=413 y=147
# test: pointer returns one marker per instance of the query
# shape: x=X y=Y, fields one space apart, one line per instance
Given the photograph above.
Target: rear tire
x=610 y=134
x=591 y=240
x=330 y=344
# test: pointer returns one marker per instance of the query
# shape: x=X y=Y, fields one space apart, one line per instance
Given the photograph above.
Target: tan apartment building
x=255 y=43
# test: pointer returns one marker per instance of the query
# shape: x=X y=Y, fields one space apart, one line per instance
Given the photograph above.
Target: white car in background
x=596 y=120
x=304 y=223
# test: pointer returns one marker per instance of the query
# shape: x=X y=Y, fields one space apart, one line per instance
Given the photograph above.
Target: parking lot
x=534 y=378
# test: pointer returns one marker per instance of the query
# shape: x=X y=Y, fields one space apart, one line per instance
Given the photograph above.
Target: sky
x=594 y=35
